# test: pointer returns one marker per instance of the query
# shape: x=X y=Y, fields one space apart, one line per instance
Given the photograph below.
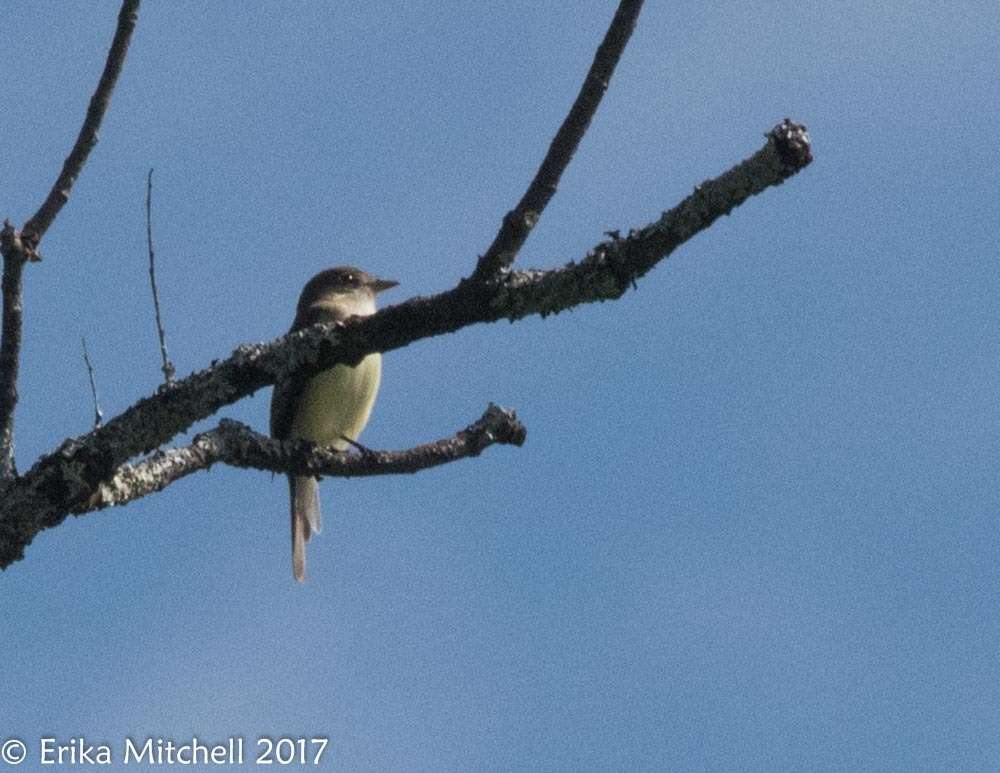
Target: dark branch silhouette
x=80 y=465
x=96 y=470
x=19 y=248
x=168 y=366
x=517 y=223
x=98 y=413
x=36 y=227
x=10 y=344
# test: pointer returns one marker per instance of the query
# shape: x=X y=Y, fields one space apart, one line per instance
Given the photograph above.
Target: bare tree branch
x=517 y=223
x=36 y=227
x=18 y=248
x=237 y=445
x=10 y=344
x=64 y=481
x=168 y=366
x=92 y=471
x=98 y=413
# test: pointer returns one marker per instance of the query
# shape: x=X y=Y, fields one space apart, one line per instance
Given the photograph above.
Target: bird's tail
x=304 y=496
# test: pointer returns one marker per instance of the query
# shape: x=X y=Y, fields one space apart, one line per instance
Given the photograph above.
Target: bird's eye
x=350 y=278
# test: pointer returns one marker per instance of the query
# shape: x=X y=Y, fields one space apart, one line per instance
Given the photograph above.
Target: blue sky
x=754 y=526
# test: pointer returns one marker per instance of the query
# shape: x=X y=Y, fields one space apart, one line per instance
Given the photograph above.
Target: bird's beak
x=378 y=285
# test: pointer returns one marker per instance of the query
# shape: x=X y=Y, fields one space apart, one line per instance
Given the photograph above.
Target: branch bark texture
x=237 y=445
x=95 y=470
x=10 y=346
x=66 y=480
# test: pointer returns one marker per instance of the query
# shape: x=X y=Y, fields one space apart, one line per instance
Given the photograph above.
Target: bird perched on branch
x=331 y=407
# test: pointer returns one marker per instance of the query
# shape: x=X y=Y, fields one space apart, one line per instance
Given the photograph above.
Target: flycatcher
x=333 y=404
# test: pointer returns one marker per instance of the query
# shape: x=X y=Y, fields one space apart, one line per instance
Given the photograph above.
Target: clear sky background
x=755 y=524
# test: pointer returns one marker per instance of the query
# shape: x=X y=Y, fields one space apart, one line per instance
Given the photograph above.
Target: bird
x=329 y=408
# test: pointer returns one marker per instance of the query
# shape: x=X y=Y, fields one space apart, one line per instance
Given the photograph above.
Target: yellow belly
x=336 y=403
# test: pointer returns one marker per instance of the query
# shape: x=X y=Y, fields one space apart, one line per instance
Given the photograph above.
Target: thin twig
x=36 y=227
x=517 y=223
x=98 y=413
x=168 y=366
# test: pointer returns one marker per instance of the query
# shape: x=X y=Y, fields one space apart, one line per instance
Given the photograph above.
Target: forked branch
x=95 y=470
x=65 y=480
x=517 y=223
x=20 y=247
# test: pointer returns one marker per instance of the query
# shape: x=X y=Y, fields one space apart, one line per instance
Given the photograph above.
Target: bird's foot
x=363 y=450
